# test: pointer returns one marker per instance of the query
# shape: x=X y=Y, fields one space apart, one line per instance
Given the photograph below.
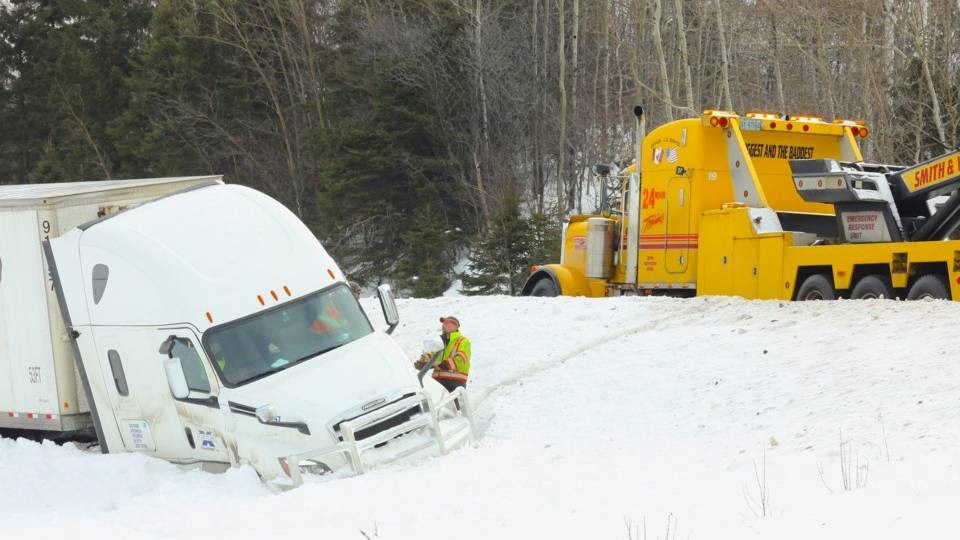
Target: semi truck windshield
x=256 y=346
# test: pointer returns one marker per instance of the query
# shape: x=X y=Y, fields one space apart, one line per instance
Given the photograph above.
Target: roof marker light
x=260 y=298
x=210 y=317
x=773 y=125
x=274 y=294
x=789 y=126
x=330 y=272
x=287 y=290
x=806 y=127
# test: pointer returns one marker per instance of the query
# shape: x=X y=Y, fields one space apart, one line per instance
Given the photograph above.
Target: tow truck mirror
x=389 y=307
x=176 y=380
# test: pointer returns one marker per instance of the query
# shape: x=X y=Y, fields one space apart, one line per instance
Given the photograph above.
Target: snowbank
x=599 y=414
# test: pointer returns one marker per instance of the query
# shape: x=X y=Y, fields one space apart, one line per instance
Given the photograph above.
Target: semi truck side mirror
x=176 y=380
x=167 y=346
x=266 y=414
x=389 y=307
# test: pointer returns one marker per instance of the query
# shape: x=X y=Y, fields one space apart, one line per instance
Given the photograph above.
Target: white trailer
x=200 y=323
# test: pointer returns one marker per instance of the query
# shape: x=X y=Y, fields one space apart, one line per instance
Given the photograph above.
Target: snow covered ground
x=602 y=418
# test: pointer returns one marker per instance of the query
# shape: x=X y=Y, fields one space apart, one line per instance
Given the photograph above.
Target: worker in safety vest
x=329 y=318
x=451 y=367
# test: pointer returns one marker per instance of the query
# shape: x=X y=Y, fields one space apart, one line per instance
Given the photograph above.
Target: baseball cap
x=450 y=318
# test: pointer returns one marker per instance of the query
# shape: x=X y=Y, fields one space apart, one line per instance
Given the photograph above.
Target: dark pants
x=451 y=386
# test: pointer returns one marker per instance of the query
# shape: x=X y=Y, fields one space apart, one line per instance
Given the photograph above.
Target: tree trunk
x=605 y=122
x=777 y=73
x=537 y=118
x=641 y=12
x=573 y=201
x=483 y=124
x=888 y=49
x=684 y=57
x=923 y=41
x=724 y=68
x=561 y=78
x=662 y=59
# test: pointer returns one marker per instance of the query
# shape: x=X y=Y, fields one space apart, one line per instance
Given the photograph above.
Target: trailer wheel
x=930 y=286
x=816 y=287
x=870 y=287
x=545 y=287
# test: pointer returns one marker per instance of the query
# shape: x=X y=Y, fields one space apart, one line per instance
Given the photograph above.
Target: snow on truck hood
x=369 y=368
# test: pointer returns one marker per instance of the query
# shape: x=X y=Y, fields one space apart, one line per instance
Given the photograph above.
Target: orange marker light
x=260 y=298
x=287 y=290
x=66 y=405
x=274 y=295
x=330 y=272
x=714 y=121
x=210 y=317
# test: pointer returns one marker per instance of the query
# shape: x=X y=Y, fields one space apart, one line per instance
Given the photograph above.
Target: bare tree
x=666 y=95
x=725 y=70
x=684 y=57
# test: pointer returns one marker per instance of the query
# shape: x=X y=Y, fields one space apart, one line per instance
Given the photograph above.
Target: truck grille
x=382 y=425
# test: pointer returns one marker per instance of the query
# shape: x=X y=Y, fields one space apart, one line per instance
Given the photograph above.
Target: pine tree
x=545 y=238
x=385 y=181
x=500 y=256
x=424 y=267
x=63 y=66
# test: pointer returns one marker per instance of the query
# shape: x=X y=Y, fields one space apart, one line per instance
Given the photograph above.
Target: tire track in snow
x=553 y=361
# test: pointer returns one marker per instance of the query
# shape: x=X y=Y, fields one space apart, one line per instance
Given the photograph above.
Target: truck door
x=125 y=385
x=199 y=414
x=149 y=419
x=678 y=239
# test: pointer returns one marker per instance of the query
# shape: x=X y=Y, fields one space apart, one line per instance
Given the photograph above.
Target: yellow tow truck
x=763 y=206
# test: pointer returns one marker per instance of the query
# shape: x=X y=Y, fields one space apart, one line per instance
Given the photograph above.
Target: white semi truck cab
x=210 y=328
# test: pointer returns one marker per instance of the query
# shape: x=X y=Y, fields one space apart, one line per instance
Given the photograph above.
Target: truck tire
x=930 y=286
x=545 y=287
x=870 y=287
x=816 y=287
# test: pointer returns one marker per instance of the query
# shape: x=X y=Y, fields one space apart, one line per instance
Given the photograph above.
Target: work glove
x=424 y=358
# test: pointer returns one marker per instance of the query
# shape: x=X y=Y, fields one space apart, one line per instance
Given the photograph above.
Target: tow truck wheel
x=544 y=287
x=870 y=287
x=929 y=286
x=816 y=287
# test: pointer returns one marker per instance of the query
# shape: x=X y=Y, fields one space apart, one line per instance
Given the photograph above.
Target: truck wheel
x=870 y=287
x=544 y=287
x=816 y=287
x=929 y=286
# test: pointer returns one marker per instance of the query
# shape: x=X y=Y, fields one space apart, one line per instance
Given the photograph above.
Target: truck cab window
x=279 y=338
x=192 y=365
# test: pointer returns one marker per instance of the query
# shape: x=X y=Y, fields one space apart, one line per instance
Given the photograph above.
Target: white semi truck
x=201 y=323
